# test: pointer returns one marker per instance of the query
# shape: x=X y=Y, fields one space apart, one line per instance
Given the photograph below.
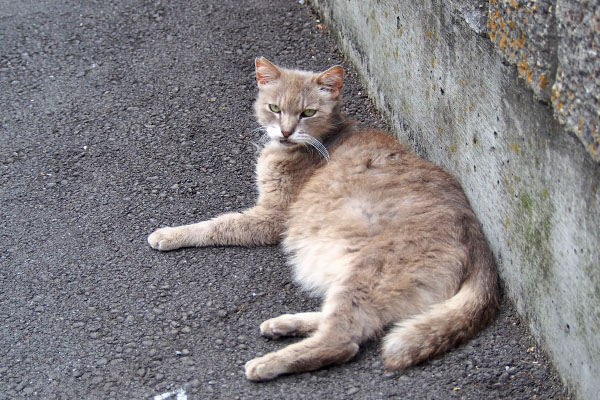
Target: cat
x=387 y=239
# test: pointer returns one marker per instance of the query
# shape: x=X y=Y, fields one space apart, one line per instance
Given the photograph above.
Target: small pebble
x=97 y=380
x=77 y=373
x=28 y=391
x=351 y=391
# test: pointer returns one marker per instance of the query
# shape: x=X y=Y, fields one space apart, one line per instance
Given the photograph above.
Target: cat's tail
x=450 y=323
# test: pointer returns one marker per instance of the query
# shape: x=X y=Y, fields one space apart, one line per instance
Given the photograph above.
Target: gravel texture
x=119 y=117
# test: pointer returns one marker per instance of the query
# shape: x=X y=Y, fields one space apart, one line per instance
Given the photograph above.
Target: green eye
x=274 y=108
x=309 y=112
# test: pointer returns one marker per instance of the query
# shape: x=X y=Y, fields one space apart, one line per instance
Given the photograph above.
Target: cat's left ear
x=332 y=80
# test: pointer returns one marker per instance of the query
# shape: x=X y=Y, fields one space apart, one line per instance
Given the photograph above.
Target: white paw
x=283 y=325
x=166 y=238
x=264 y=368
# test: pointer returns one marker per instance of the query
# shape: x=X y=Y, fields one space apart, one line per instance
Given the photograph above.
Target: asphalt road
x=120 y=117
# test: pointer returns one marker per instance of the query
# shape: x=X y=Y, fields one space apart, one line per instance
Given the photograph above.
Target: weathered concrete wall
x=492 y=92
x=555 y=45
x=576 y=92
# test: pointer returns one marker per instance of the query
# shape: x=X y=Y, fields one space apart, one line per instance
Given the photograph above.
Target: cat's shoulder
x=381 y=148
x=354 y=135
x=370 y=142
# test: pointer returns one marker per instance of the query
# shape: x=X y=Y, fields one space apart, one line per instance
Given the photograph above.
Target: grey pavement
x=120 y=117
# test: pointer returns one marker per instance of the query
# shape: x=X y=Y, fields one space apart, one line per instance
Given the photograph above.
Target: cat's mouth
x=286 y=142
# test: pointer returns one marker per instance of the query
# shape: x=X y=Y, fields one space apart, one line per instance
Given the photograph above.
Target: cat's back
x=373 y=165
x=374 y=185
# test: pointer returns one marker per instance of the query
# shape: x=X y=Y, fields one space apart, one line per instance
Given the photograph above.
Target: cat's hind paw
x=264 y=368
x=284 y=325
x=302 y=324
x=166 y=238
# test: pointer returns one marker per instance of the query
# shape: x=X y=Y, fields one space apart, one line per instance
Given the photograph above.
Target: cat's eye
x=309 y=112
x=274 y=108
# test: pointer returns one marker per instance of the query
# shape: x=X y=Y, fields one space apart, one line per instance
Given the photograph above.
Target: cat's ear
x=332 y=80
x=266 y=71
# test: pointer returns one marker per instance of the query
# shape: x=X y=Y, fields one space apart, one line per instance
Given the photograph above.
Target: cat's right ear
x=266 y=71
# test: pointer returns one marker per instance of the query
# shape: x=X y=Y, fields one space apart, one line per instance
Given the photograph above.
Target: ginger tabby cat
x=388 y=240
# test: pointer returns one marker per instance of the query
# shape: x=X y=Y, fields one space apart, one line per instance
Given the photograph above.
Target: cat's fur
x=383 y=236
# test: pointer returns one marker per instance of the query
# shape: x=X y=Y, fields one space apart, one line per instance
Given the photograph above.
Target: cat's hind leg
x=323 y=348
x=301 y=324
x=345 y=322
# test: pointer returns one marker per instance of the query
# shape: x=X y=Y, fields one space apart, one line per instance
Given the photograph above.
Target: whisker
x=315 y=143
x=259 y=129
x=319 y=146
x=262 y=140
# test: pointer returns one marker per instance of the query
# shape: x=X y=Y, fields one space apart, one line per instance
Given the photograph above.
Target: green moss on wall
x=533 y=216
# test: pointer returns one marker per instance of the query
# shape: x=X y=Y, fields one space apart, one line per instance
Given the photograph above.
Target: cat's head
x=294 y=106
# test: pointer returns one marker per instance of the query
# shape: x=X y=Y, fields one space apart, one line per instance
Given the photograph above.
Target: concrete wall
x=506 y=97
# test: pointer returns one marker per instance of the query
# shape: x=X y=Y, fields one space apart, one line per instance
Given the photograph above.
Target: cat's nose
x=286 y=134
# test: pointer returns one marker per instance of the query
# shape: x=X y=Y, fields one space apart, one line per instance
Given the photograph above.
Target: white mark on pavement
x=180 y=395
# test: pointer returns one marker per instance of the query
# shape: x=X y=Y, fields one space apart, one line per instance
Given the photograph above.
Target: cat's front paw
x=264 y=368
x=166 y=238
